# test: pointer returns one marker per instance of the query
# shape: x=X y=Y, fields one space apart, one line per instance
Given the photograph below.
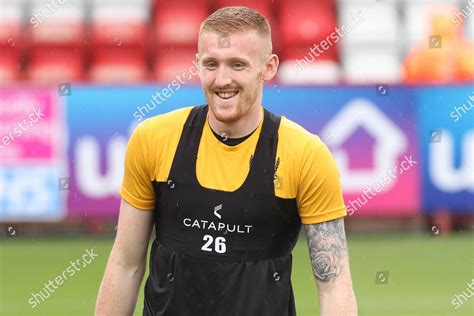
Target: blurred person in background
x=227 y=186
x=449 y=56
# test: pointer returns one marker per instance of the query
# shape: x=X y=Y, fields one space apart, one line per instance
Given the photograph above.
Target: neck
x=244 y=126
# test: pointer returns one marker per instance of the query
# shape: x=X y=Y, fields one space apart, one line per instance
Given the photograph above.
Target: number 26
x=219 y=245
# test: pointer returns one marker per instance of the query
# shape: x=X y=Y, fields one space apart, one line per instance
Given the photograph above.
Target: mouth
x=226 y=95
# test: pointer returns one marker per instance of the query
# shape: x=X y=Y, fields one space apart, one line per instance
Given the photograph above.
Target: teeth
x=227 y=95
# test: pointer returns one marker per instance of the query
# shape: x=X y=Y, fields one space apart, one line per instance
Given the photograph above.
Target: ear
x=271 y=67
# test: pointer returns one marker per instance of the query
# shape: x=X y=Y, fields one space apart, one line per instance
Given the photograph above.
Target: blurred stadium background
x=388 y=85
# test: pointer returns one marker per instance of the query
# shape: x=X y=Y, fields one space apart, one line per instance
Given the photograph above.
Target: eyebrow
x=233 y=59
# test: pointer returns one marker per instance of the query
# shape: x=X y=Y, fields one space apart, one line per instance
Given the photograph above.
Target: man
x=227 y=186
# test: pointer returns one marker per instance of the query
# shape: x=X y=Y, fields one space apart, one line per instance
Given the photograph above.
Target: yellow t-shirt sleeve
x=137 y=188
x=319 y=194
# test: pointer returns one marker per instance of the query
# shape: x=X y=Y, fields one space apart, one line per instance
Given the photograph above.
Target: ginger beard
x=227 y=108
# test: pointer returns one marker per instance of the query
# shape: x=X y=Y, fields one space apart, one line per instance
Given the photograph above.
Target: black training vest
x=222 y=253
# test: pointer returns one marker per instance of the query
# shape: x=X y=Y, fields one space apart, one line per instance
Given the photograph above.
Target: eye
x=238 y=66
x=210 y=65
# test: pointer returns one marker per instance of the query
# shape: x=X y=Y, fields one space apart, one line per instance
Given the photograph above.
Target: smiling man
x=227 y=186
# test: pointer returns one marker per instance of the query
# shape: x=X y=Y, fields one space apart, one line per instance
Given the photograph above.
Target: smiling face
x=232 y=73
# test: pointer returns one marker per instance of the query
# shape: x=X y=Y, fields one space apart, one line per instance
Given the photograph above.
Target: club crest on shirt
x=276 y=178
x=277 y=164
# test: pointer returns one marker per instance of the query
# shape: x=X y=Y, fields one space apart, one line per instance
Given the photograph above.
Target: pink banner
x=30 y=126
x=33 y=169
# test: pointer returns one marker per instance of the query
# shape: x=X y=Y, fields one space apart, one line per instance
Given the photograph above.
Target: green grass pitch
x=424 y=275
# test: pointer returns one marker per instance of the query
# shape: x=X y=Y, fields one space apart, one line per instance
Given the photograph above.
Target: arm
x=330 y=264
x=127 y=262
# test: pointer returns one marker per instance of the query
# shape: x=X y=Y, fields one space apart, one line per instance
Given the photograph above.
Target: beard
x=227 y=117
x=232 y=113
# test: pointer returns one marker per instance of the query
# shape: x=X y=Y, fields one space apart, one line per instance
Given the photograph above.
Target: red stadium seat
x=307 y=2
x=65 y=25
x=10 y=24
x=120 y=23
x=9 y=64
x=306 y=65
x=160 y=3
x=300 y=52
x=118 y=64
x=173 y=62
x=178 y=24
x=305 y=24
x=56 y=64
x=11 y=42
x=299 y=67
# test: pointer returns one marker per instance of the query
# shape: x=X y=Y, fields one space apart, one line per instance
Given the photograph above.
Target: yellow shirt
x=305 y=168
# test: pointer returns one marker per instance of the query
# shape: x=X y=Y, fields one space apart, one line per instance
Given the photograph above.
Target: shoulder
x=296 y=138
x=159 y=137
x=165 y=124
x=298 y=151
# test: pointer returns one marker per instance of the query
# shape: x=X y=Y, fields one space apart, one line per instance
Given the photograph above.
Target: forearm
x=339 y=301
x=330 y=264
x=119 y=289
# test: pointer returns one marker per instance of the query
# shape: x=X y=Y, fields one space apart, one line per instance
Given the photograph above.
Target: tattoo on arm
x=327 y=246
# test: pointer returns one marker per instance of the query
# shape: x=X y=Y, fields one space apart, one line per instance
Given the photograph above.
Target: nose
x=222 y=77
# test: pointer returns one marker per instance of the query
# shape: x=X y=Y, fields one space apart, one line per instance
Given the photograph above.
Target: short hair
x=228 y=20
